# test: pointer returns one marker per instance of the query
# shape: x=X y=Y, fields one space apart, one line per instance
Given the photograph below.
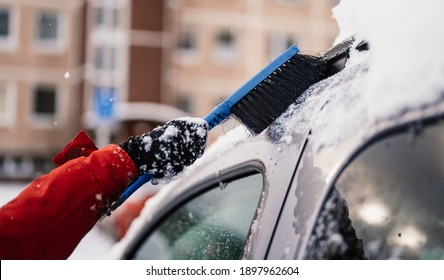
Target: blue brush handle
x=219 y=113
x=145 y=178
x=223 y=110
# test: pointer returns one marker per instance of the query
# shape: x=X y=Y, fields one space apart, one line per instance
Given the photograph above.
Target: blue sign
x=105 y=103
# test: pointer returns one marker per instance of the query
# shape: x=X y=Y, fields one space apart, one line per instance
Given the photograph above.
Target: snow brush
x=268 y=94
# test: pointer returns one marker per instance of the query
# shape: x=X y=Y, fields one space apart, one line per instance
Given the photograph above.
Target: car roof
x=334 y=114
x=340 y=112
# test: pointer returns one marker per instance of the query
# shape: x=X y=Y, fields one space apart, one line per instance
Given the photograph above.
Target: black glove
x=166 y=150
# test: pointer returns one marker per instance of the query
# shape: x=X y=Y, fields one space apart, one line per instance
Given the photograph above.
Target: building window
x=5 y=23
x=106 y=16
x=45 y=103
x=187 y=41
x=48 y=27
x=8 y=27
x=3 y=98
x=105 y=58
x=279 y=43
x=99 y=16
x=185 y=103
x=7 y=106
x=225 y=46
x=188 y=46
x=225 y=39
x=99 y=58
x=45 y=100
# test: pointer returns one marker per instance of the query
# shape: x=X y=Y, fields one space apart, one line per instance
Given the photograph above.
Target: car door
x=380 y=198
x=211 y=221
x=387 y=202
x=225 y=208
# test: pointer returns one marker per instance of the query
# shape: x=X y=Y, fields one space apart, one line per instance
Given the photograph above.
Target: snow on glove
x=166 y=150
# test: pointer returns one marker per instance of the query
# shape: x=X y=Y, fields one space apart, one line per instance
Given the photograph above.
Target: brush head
x=271 y=97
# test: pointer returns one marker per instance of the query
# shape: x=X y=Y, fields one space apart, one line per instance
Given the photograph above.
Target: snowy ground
x=95 y=245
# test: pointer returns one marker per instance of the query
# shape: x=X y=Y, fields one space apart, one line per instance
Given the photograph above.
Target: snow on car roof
x=404 y=69
x=406 y=61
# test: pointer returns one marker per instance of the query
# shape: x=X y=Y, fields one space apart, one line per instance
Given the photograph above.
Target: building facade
x=221 y=44
x=125 y=46
x=40 y=82
x=120 y=67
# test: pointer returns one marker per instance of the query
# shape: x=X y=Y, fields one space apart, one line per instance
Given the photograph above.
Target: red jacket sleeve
x=49 y=217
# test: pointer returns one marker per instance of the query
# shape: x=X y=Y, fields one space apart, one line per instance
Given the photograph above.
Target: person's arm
x=49 y=218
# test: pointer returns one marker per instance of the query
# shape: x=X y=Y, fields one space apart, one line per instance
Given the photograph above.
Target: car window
x=213 y=225
x=388 y=203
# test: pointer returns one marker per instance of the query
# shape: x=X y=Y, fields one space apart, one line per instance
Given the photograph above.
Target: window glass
x=225 y=38
x=7 y=103
x=188 y=44
x=4 y=22
x=47 y=26
x=99 y=16
x=213 y=225
x=8 y=40
x=279 y=43
x=225 y=45
x=3 y=98
x=388 y=202
x=185 y=103
x=187 y=41
x=45 y=100
x=105 y=58
x=106 y=16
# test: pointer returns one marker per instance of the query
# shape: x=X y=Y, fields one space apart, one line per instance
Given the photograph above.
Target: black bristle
x=265 y=103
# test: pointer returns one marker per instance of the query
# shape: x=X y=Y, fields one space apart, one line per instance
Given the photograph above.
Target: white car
x=353 y=170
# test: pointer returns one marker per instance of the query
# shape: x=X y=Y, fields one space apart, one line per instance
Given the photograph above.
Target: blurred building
x=221 y=44
x=125 y=46
x=40 y=82
x=119 y=67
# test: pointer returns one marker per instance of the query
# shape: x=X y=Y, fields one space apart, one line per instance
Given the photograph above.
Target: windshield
x=388 y=202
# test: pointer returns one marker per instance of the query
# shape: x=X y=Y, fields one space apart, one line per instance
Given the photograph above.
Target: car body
x=335 y=177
